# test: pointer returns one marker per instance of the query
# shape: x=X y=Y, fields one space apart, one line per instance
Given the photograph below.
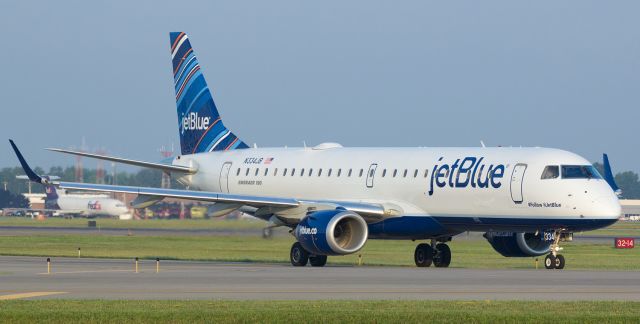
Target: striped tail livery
x=200 y=125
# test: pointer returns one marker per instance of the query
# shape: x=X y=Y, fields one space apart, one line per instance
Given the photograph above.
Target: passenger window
x=361 y=172
x=266 y=172
x=257 y=170
x=302 y=172
x=293 y=172
x=384 y=172
x=247 y=173
x=310 y=172
x=395 y=172
x=329 y=173
x=415 y=173
x=349 y=175
x=284 y=174
x=339 y=172
x=238 y=173
x=319 y=172
x=275 y=172
x=404 y=175
x=550 y=172
x=426 y=172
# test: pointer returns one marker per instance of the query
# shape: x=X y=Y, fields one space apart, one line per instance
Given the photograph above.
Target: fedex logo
x=94 y=205
x=469 y=171
x=194 y=122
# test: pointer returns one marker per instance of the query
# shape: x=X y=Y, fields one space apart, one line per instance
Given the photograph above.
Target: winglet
x=608 y=175
x=27 y=169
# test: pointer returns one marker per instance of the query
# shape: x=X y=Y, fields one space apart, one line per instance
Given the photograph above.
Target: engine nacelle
x=332 y=232
x=511 y=244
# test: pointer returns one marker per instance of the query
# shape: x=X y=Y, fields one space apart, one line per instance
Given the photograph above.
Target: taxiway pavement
x=73 y=278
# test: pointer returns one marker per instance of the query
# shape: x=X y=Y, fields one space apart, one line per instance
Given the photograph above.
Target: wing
x=151 y=165
x=287 y=210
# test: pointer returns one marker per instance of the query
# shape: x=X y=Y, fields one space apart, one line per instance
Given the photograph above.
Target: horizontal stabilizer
x=151 y=165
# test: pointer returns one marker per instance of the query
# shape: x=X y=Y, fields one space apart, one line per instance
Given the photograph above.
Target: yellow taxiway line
x=30 y=295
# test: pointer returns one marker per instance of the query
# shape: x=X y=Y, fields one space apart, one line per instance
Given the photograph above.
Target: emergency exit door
x=371 y=174
x=224 y=177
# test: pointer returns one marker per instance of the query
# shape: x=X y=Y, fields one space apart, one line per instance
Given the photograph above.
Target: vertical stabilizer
x=201 y=128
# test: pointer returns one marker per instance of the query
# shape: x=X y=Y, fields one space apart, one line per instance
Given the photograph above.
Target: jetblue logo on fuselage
x=469 y=171
x=307 y=230
x=194 y=122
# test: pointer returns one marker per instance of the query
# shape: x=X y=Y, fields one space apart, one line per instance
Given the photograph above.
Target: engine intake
x=332 y=232
x=511 y=244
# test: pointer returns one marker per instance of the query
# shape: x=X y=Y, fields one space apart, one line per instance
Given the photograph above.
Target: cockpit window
x=550 y=172
x=580 y=172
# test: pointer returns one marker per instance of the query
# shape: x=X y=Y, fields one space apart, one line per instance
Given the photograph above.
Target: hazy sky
x=562 y=74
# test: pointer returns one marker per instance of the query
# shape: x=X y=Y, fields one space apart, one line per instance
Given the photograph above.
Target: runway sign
x=624 y=243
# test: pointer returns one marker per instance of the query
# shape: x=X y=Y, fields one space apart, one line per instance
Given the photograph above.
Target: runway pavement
x=26 y=277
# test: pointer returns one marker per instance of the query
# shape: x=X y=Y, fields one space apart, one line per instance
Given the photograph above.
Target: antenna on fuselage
x=482 y=143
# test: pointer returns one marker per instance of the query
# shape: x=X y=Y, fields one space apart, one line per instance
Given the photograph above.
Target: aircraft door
x=517 y=177
x=371 y=174
x=224 y=177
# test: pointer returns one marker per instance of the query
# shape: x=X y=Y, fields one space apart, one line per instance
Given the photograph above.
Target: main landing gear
x=554 y=260
x=300 y=257
x=425 y=255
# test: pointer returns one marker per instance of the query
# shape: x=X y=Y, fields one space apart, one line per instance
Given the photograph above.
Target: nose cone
x=608 y=206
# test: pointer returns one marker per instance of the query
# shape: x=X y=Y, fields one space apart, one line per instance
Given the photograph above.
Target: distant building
x=36 y=200
x=630 y=209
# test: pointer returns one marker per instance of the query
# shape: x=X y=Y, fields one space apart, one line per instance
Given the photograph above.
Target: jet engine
x=332 y=232
x=511 y=244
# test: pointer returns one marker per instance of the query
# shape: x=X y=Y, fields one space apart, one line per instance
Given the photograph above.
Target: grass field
x=66 y=311
x=134 y=224
x=466 y=253
x=618 y=229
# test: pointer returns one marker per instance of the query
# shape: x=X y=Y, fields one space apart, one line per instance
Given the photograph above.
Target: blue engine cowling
x=332 y=232
x=511 y=244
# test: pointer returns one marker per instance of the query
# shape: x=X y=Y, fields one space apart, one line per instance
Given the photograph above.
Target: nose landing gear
x=554 y=260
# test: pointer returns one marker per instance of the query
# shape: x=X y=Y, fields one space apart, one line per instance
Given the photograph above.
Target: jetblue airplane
x=334 y=199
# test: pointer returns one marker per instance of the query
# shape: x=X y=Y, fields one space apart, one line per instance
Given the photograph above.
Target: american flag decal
x=268 y=160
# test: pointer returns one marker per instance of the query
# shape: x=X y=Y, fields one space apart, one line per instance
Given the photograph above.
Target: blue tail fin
x=201 y=128
x=608 y=175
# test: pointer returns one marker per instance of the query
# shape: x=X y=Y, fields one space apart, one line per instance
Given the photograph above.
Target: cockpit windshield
x=580 y=172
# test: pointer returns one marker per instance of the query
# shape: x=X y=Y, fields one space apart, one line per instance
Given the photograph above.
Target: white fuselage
x=92 y=205
x=495 y=189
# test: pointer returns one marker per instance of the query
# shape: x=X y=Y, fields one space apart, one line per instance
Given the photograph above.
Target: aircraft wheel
x=559 y=264
x=442 y=257
x=318 y=260
x=423 y=256
x=299 y=256
x=550 y=262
